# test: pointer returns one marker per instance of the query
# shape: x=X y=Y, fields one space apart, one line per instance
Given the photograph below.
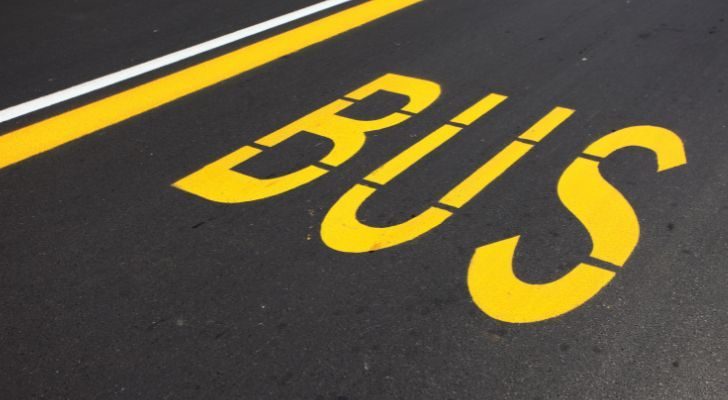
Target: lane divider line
x=48 y=134
x=159 y=62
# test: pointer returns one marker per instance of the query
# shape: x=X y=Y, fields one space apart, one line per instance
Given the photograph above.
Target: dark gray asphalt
x=115 y=285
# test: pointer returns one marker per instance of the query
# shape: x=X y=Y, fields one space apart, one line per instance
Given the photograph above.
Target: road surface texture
x=158 y=241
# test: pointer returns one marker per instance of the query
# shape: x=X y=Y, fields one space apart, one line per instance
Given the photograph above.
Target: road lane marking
x=55 y=131
x=163 y=61
x=608 y=217
x=407 y=158
x=504 y=159
x=341 y=228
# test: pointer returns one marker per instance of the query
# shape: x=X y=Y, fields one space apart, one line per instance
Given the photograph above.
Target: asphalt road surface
x=383 y=199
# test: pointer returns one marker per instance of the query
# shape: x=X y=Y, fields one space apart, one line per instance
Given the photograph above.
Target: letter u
x=341 y=230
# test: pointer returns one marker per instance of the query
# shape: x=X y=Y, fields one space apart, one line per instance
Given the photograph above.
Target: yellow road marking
x=40 y=137
x=504 y=160
x=219 y=181
x=400 y=163
x=606 y=215
x=477 y=110
x=547 y=124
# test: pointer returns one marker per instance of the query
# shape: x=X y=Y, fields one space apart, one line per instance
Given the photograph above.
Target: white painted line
x=131 y=72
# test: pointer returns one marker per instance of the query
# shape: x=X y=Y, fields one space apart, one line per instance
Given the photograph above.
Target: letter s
x=608 y=218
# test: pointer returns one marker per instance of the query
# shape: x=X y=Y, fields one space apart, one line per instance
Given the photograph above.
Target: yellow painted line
x=411 y=155
x=505 y=159
x=40 y=137
x=485 y=175
x=477 y=110
x=429 y=143
x=547 y=124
